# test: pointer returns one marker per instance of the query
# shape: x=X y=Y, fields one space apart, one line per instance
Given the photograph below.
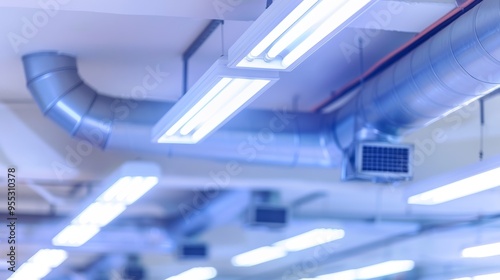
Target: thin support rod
x=481 y=131
x=197 y=43
x=222 y=39
x=185 y=66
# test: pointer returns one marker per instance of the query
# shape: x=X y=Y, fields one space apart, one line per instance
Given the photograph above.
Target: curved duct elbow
x=452 y=69
x=254 y=136
x=60 y=93
x=64 y=97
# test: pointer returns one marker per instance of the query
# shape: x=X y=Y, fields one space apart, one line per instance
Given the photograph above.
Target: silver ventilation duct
x=254 y=136
x=455 y=67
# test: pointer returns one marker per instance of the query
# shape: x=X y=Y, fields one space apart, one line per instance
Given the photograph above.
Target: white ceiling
x=115 y=41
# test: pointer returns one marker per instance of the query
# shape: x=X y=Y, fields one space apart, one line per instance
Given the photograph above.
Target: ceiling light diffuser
x=40 y=265
x=494 y=276
x=291 y=30
x=258 y=256
x=310 y=239
x=197 y=273
x=75 y=235
x=99 y=214
x=215 y=98
x=467 y=181
x=122 y=188
x=384 y=269
x=32 y=271
x=49 y=257
x=343 y=275
x=371 y=272
x=128 y=189
x=483 y=251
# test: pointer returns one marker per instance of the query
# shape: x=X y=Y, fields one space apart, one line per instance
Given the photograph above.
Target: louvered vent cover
x=380 y=162
x=384 y=159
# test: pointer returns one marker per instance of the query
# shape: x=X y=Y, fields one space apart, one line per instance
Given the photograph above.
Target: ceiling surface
x=115 y=43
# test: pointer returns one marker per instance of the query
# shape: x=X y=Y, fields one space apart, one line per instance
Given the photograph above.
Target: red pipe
x=410 y=45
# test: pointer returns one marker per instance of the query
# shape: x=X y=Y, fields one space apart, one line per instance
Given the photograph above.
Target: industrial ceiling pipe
x=254 y=136
x=458 y=65
x=463 y=7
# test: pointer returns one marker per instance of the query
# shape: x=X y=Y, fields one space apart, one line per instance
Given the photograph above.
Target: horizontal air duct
x=452 y=69
x=254 y=136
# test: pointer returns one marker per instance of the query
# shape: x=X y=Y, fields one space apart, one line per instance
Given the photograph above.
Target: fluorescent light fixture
x=32 y=270
x=372 y=271
x=258 y=256
x=75 y=235
x=40 y=265
x=215 y=98
x=494 y=276
x=197 y=273
x=99 y=214
x=128 y=189
x=280 y=249
x=343 y=275
x=483 y=251
x=290 y=30
x=310 y=239
x=122 y=188
x=49 y=257
x=470 y=180
x=384 y=269
x=458 y=189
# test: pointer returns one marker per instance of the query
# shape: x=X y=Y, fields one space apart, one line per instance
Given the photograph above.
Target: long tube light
x=128 y=189
x=197 y=273
x=494 y=276
x=343 y=275
x=75 y=235
x=470 y=180
x=370 y=272
x=310 y=239
x=99 y=214
x=290 y=30
x=281 y=248
x=40 y=264
x=384 y=269
x=483 y=251
x=121 y=189
x=217 y=96
x=258 y=256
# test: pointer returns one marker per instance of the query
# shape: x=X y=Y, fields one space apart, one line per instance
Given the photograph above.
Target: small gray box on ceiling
x=379 y=162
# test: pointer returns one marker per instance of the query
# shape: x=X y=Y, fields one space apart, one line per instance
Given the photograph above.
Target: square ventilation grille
x=384 y=158
x=380 y=162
